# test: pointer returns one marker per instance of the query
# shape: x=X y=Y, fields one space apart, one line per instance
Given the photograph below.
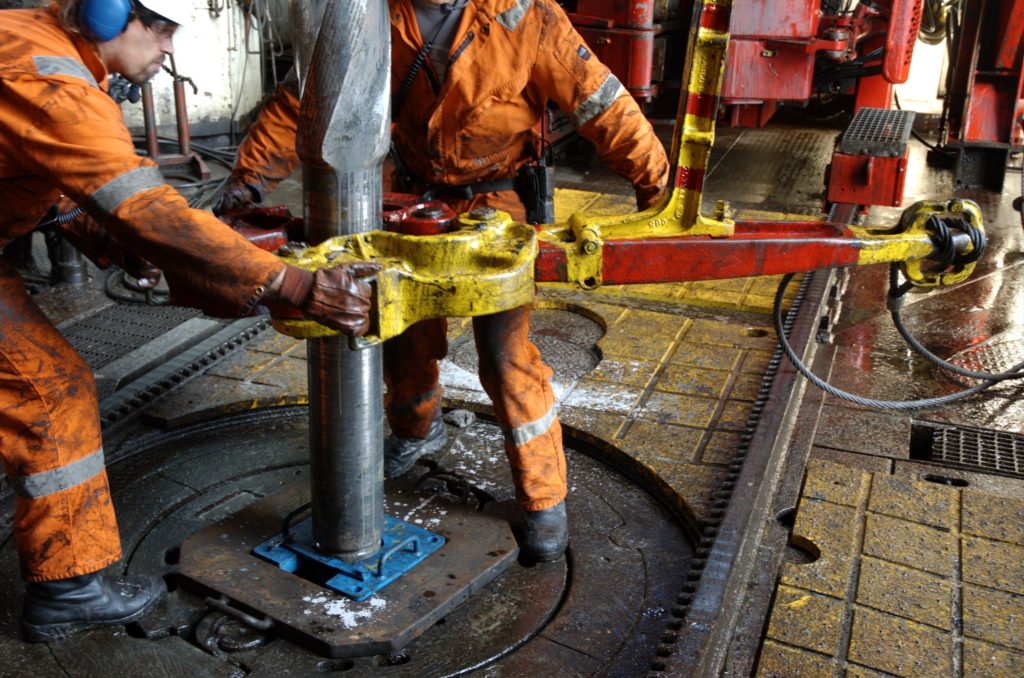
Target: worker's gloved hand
x=335 y=297
x=341 y=299
x=147 y=275
x=234 y=196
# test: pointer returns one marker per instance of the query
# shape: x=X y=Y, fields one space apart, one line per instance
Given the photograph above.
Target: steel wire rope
x=895 y=405
x=894 y=312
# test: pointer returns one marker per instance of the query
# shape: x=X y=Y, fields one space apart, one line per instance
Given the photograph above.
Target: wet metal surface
x=887 y=586
x=976 y=324
x=563 y=616
x=479 y=547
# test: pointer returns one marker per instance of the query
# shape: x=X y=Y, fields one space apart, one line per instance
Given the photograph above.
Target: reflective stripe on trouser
x=50 y=443
x=515 y=378
x=519 y=384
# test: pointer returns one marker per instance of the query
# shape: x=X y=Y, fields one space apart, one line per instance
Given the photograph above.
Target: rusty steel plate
x=220 y=558
x=601 y=609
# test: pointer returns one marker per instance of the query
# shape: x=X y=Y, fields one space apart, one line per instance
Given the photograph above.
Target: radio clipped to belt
x=535 y=185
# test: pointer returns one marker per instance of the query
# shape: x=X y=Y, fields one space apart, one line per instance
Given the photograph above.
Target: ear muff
x=104 y=20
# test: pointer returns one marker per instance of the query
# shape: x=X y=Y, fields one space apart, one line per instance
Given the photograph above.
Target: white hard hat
x=178 y=11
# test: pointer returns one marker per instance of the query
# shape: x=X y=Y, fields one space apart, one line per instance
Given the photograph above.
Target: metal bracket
x=916 y=219
x=403 y=547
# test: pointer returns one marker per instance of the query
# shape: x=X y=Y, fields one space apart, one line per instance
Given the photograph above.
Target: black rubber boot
x=401 y=453
x=546 y=534
x=58 y=609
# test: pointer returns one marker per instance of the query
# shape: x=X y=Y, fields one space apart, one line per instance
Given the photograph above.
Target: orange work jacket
x=61 y=133
x=509 y=57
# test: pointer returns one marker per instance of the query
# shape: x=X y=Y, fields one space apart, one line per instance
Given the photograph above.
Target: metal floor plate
x=602 y=609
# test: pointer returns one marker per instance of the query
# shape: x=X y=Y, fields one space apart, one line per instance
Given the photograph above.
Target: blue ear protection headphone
x=104 y=20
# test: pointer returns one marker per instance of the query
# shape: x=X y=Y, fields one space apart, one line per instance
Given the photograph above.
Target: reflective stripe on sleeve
x=62 y=65
x=598 y=102
x=510 y=18
x=59 y=479
x=116 y=191
x=527 y=432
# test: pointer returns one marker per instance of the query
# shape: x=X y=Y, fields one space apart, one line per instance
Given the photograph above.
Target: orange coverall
x=60 y=133
x=508 y=58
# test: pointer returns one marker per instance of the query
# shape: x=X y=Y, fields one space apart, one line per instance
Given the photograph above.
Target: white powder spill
x=408 y=517
x=348 y=612
x=560 y=389
x=602 y=398
x=468 y=459
x=453 y=376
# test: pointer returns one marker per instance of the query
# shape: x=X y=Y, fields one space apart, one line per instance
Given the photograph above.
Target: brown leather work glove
x=335 y=297
x=235 y=196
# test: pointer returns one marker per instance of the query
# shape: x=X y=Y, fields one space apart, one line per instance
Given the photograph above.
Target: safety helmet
x=104 y=20
x=177 y=11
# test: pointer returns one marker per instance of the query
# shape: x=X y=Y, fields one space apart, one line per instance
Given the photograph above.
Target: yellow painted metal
x=484 y=267
x=584 y=235
x=487 y=265
x=678 y=212
x=911 y=242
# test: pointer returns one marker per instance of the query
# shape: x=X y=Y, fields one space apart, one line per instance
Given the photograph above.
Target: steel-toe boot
x=546 y=534
x=401 y=453
x=57 y=609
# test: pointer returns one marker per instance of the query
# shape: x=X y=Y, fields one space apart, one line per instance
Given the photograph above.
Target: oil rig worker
x=470 y=82
x=61 y=134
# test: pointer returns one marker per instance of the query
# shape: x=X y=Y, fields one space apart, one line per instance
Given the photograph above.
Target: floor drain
x=975 y=449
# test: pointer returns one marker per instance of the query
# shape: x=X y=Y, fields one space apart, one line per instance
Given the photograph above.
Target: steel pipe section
x=343 y=137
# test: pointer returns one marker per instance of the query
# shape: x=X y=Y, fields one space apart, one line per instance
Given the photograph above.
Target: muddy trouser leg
x=411 y=377
x=518 y=383
x=50 y=442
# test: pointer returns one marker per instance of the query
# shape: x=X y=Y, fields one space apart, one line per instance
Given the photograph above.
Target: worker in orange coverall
x=62 y=134
x=470 y=81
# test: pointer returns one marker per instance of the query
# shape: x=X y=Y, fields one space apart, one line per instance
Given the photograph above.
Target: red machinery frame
x=984 y=105
x=673 y=241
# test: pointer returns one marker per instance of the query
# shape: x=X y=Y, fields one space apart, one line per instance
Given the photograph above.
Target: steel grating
x=116 y=330
x=976 y=449
x=878 y=132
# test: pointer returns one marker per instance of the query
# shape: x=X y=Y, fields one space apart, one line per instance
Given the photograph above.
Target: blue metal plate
x=403 y=546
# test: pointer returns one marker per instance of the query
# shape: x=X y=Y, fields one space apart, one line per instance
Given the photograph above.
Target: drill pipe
x=343 y=137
